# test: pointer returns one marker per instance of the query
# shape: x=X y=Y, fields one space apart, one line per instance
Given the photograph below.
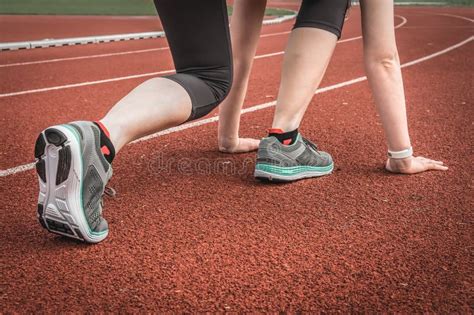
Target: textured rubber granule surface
x=192 y=231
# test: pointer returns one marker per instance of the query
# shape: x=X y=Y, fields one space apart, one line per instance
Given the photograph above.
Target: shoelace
x=109 y=192
x=310 y=144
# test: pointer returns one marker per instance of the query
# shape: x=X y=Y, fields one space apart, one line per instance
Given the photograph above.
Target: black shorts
x=328 y=15
x=199 y=40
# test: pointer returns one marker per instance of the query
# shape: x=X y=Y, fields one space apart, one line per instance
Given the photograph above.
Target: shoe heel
x=48 y=212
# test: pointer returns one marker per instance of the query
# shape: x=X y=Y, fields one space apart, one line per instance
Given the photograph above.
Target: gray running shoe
x=72 y=174
x=285 y=163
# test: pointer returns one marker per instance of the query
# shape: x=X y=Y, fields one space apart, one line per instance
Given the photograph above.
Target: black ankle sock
x=106 y=145
x=284 y=137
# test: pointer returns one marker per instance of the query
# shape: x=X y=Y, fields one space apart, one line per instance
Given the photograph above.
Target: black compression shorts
x=328 y=15
x=199 y=40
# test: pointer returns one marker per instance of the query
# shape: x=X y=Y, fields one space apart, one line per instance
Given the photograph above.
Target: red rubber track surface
x=192 y=231
x=17 y=28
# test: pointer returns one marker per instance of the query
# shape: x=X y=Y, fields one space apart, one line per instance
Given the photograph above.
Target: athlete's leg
x=74 y=159
x=285 y=155
x=154 y=105
x=306 y=58
x=198 y=35
x=245 y=29
x=383 y=69
x=307 y=55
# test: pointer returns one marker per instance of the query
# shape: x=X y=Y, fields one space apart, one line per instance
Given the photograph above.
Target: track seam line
x=74 y=85
x=26 y=167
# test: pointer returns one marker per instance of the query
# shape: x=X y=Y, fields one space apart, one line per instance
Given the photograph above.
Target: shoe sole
x=273 y=173
x=59 y=167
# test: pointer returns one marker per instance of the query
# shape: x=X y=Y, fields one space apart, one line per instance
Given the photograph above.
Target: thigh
x=377 y=25
x=199 y=40
x=197 y=32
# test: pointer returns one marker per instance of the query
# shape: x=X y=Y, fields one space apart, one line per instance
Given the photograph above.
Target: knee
x=219 y=81
x=242 y=65
x=388 y=60
x=206 y=86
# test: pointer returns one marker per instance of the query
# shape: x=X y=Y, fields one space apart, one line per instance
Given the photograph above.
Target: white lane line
x=97 y=39
x=68 y=86
x=26 y=167
x=82 y=57
x=438 y=27
x=17 y=169
x=455 y=16
x=140 y=51
x=27 y=63
x=420 y=3
x=275 y=34
x=402 y=23
x=439 y=53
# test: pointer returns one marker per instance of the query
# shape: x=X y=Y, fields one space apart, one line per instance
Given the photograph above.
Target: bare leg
x=383 y=70
x=154 y=105
x=385 y=78
x=306 y=58
x=198 y=36
x=245 y=27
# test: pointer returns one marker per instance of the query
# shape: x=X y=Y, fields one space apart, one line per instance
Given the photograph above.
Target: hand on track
x=239 y=145
x=413 y=165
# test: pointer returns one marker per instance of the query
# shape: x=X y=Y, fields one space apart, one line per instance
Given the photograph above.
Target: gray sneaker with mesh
x=284 y=163
x=72 y=174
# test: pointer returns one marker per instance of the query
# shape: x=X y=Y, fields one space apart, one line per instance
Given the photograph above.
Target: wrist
x=227 y=138
x=227 y=143
x=400 y=155
x=399 y=165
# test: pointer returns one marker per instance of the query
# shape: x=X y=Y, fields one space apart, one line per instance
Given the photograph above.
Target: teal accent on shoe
x=293 y=170
x=78 y=138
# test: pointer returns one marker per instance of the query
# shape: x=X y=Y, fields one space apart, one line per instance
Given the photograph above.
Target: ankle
x=286 y=138
x=116 y=134
x=106 y=145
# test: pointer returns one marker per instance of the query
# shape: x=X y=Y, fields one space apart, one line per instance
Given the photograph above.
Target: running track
x=198 y=233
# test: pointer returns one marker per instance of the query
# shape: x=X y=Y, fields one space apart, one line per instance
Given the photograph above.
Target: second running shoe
x=285 y=163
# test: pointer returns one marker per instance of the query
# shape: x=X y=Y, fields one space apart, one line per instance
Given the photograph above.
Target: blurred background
x=128 y=7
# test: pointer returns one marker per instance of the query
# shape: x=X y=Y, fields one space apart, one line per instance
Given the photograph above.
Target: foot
x=285 y=163
x=72 y=173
